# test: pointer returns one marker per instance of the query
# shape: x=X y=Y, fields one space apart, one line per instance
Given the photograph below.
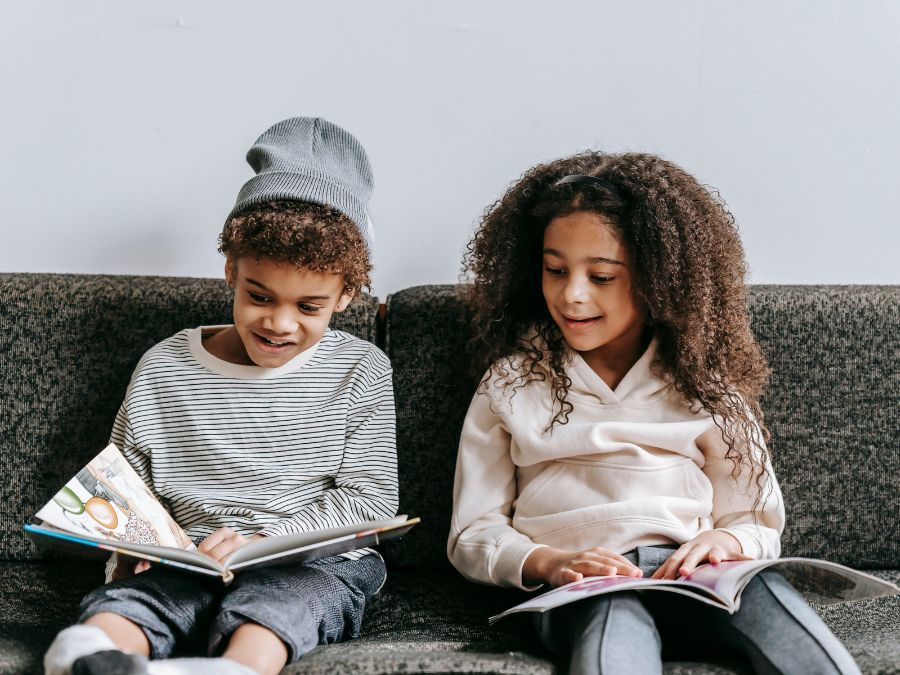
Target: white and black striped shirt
x=269 y=451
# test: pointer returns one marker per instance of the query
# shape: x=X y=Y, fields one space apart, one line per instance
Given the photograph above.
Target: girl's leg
x=775 y=629
x=609 y=634
x=781 y=633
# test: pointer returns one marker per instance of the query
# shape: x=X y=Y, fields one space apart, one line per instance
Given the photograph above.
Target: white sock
x=73 y=643
x=198 y=667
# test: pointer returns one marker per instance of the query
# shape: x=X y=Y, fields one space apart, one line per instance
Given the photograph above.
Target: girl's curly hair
x=303 y=234
x=688 y=273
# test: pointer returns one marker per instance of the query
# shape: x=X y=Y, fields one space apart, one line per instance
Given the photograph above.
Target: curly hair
x=688 y=274
x=303 y=234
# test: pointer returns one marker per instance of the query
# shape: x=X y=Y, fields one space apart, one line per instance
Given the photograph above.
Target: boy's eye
x=308 y=308
x=256 y=297
x=602 y=280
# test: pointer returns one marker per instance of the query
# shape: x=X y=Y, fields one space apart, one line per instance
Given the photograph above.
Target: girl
x=618 y=428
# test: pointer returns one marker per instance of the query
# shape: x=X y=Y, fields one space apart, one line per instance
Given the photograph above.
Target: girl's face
x=586 y=281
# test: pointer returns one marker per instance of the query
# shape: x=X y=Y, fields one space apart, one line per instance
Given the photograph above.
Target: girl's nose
x=575 y=290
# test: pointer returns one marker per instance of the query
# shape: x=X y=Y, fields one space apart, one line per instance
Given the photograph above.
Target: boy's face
x=281 y=310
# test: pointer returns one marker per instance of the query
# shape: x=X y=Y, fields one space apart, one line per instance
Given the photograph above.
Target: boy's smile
x=280 y=311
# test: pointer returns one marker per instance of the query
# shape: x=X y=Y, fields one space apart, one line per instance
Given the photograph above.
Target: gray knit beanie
x=309 y=159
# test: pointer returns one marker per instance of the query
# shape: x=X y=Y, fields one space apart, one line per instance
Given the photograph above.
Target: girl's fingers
x=695 y=556
x=567 y=576
x=716 y=555
x=621 y=564
x=594 y=568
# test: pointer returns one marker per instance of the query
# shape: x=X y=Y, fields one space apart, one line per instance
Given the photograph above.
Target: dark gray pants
x=305 y=604
x=628 y=632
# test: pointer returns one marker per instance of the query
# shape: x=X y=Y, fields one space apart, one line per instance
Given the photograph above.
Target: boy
x=274 y=424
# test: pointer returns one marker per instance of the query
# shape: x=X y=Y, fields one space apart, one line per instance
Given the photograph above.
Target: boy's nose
x=282 y=321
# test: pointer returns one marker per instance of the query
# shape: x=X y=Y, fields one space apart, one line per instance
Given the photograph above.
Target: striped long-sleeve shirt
x=306 y=446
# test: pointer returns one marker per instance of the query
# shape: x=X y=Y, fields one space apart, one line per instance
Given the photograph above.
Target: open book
x=106 y=508
x=720 y=585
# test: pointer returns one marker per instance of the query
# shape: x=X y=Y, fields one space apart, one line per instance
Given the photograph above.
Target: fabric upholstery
x=68 y=344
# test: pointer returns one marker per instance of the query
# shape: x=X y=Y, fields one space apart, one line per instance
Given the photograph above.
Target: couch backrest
x=831 y=408
x=68 y=344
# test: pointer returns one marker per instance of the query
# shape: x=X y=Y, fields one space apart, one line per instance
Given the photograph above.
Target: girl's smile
x=586 y=282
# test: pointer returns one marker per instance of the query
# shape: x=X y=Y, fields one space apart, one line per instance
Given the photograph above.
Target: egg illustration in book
x=68 y=501
x=103 y=512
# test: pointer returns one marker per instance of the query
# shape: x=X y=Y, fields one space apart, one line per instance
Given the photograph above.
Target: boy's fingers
x=214 y=539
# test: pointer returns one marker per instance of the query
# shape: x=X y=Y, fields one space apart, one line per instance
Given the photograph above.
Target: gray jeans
x=305 y=604
x=629 y=632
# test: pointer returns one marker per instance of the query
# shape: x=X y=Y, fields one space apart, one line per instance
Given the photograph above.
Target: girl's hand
x=557 y=567
x=223 y=542
x=714 y=546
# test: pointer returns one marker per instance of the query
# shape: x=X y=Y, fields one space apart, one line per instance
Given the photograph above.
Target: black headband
x=575 y=179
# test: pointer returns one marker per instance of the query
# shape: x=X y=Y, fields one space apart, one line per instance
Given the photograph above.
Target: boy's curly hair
x=688 y=273
x=303 y=234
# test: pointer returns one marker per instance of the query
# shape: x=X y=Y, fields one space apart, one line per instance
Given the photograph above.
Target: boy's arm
x=123 y=439
x=734 y=496
x=365 y=486
x=483 y=545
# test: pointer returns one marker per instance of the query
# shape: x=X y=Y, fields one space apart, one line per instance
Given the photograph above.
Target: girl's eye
x=308 y=308
x=602 y=280
x=256 y=297
x=553 y=271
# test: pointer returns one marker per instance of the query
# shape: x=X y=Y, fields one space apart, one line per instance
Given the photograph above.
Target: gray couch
x=68 y=344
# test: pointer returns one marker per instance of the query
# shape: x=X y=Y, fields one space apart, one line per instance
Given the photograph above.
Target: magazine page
x=107 y=499
x=277 y=547
x=593 y=586
x=819 y=581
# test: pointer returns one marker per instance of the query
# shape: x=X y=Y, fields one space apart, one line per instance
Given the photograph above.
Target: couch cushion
x=831 y=408
x=421 y=622
x=68 y=344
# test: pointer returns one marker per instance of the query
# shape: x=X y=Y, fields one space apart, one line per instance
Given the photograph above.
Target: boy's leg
x=163 y=606
x=301 y=605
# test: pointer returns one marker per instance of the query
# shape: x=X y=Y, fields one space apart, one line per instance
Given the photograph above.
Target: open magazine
x=106 y=508
x=720 y=585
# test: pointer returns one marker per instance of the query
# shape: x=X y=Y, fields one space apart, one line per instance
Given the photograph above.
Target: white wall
x=123 y=125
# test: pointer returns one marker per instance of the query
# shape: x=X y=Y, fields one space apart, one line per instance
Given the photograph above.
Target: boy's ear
x=230 y=272
x=343 y=302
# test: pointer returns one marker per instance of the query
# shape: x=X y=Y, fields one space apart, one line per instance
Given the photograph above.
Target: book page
x=108 y=499
x=273 y=546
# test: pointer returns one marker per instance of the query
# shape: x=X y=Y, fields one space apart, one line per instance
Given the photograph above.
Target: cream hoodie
x=632 y=467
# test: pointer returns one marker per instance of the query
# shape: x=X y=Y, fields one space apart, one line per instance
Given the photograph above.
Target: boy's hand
x=714 y=546
x=557 y=567
x=223 y=542
x=126 y=568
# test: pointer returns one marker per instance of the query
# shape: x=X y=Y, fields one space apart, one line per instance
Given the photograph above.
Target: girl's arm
x=734 y=496
x=483 y=544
